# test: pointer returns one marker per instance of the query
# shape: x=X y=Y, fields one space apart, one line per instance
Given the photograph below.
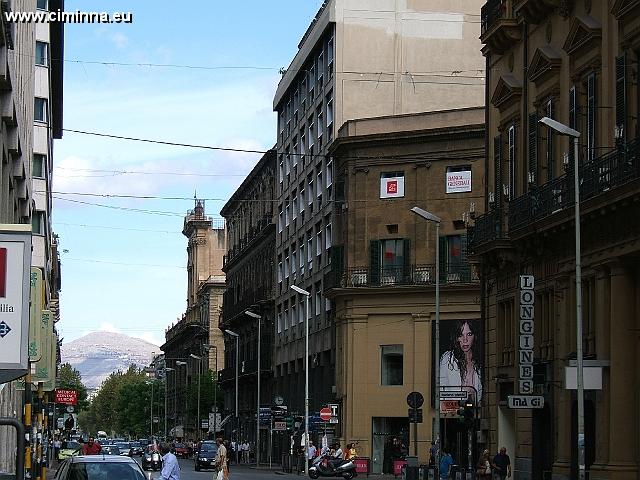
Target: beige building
x=383 y=271
x=358 y=59
x=576 y=62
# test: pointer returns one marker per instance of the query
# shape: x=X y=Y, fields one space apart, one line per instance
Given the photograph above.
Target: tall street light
x=306 y=374
x=430 y=217
x=566 y=131
x=166 y=382
x=184 y=417
x=259 y=320
x=234 y=334
x=198 y=424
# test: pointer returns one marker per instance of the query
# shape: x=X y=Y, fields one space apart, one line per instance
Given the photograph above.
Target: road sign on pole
x=325 y=414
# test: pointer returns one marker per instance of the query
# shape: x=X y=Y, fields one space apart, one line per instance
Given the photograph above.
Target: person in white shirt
x=245 y=452
x=311 y=452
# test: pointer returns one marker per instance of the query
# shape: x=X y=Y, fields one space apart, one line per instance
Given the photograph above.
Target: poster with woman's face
x=461 y=357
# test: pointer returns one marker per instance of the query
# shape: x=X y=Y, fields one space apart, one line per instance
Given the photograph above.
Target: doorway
x=383 y=430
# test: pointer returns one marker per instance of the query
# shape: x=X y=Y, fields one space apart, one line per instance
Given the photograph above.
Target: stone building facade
x=576 y=62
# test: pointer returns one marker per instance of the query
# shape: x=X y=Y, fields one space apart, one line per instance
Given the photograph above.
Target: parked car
x=69 y=449
x=205 y=458
x=110 y=450
x=181 y=450
x=100 y=467
x=151 y=460
x=136 y=449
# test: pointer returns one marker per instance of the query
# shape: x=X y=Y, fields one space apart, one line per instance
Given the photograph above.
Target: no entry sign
x=325 y=414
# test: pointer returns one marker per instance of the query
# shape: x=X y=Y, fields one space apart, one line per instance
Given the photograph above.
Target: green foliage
x=208 y=394
x=70 y=379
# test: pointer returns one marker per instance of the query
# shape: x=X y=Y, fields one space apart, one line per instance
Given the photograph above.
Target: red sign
x=397 y=467
x=325 y=414
x=67 y=397
x=3 y=272
x=448 y=407
x=392 y=187
x=362 y=465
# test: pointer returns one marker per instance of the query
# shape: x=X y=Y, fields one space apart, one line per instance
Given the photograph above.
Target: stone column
x=622 y=386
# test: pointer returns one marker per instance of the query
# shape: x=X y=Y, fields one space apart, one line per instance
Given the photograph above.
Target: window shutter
x=337 y=262
x=621 y=96
x=406 y=252
x=497 y=162
x=591 y=116
x=533 y=148
x=442 y=260
x=374 y=262
x=465 y=268
x=572 y=119
x=551 y=167
x=512 y=162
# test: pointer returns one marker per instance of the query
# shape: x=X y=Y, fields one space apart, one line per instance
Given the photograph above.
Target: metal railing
x=488 y=227
x=254 y=231
x=403 y=275
x=493 y=11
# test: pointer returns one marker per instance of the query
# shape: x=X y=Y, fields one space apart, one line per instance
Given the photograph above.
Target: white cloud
x=151 y=337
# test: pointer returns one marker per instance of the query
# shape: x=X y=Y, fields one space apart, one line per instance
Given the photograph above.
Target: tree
x=208 y=394
x=70 y=379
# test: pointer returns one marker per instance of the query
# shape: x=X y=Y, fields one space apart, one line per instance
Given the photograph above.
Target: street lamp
x=234 y=334
x=166 y=382
x=184 y=417
x=306 y=294
x=566 y=131
x=196 y=357
x=259 y=319
x=430 y=217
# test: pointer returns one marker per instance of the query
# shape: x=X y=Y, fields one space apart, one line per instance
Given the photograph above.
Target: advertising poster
x=461 y=357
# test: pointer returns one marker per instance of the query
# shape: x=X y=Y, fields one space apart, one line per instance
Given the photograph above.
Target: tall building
x=194 y=343
x=358 y=59
x=384 y=270
x=250 y=270
x=577 y=63
x=31 y=77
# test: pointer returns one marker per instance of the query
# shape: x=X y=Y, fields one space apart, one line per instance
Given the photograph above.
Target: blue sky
x=122 y=270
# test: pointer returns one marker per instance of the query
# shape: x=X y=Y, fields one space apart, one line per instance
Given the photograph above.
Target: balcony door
x=389 y=261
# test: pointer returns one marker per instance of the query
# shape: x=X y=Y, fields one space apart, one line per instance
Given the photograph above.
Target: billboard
x=461 y=357
x=66 y=397
x=15 y=264
x=459 y=182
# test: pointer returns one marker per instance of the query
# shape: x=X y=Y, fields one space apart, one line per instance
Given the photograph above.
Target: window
x=391 y=364
x=505 y=332
x=280 y=219
x=294 y=259
x=329 y=169
x=40 y=110
x=329 y=112
x=327 y=305
x=42 y=57
x=318 y=240
x=512 y=163
x=327 y=236
x=280 y=270
x=301 y=198
x=301 y=312
x=330 y=57
x=591 y=116
x=320 y=70
x=286 y=317
x=310 y=250
x=279 y=320
x=38 y=167
x=42 y=4
x=550 y=138
x=295 y=154
x=311 y=137
x=286 y=264
x=287 y=162
x=294 y=207
x=301 y=255
x=320 y=124
x=319 y=184
x=281 y=171
x=294 y=312
x=310 y=190
x=318 y=301
x=37 y=222
x=303 y=146
x=286 y=214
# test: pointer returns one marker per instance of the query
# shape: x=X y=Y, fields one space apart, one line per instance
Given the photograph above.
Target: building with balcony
x=250 y=271
x=194 y=343
x=575 y=62
x=358 y=59
x=382 y=281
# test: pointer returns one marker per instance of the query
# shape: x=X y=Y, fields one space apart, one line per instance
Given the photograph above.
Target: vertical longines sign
x=525 y=353
x=15 y=269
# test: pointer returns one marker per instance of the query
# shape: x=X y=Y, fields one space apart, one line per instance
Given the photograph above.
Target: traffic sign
x=325 y=414
x=415 y=415
x=279 y=426
x=415 y=400
x=453 y=395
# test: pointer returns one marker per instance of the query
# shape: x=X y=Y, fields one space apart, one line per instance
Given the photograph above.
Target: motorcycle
x=327 y=466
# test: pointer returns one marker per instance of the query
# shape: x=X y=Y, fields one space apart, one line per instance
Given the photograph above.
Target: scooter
x=328 y=466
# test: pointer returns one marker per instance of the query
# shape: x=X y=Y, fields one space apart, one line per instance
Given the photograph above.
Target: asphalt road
x=236 y=473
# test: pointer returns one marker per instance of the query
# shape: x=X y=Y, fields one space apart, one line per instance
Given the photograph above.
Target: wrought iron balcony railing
x=402 y=275
x=491 y=12
x=487 y=228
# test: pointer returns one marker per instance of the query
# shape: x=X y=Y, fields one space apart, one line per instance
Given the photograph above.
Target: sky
x=124 y=259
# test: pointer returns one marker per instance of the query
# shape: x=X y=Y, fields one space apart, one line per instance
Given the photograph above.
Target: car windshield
x=71 y=445
x=135 y=445
x=111 y=450
x=122 y=445
x=104 y=471
x=179 y=445
x=208 y=447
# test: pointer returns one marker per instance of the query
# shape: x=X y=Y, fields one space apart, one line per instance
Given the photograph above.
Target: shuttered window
x=591 y=116
x=621 y=98
x=497 y=166
x=573 y=119
x=512 y=163
x=533 y=149
x=551 y=164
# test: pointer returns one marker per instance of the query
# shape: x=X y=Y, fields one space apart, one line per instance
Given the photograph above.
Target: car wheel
x=348 y=475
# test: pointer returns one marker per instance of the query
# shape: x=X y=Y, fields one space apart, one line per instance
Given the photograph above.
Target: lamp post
x=306 y=294
x=166 y=382
x=259 y=320
x=237 y=337
x=184 y=423
x=566 y=131
x=196 y=357
x=430 y=217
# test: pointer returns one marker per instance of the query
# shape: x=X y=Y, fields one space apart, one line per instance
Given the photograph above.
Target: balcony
x=599 y=176
x=535 y=11
x=255 y=231
x=401 y=276
x=487 y=228
x=499 y=29
x=245 y=300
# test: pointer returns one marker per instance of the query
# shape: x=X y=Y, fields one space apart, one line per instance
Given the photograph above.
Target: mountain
x=98 y=354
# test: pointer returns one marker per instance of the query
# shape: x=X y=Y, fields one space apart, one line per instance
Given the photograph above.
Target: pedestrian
x=221 y=461
x=433 y=451
x=170 y=467
x=483 y=468
x=311 y=452
x=91 y=447
x=234 y=450
x=351 y=451
x=502 y=464
x=445 y=464
x=56 y=448
x=245 y=452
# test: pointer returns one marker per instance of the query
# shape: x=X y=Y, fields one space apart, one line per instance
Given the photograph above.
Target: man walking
x=312 y=452
x=502 y=464
x=445 y=464
x=170 y=467
x=221 y=461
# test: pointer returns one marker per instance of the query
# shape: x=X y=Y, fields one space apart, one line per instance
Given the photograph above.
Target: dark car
x=135 y=449
x=151 y=460
x=110 y=450
x=99 y=467
x=205 y=458
x=181 y=450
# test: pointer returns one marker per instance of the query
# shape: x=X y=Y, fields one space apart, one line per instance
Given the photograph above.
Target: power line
x=138 y=172
x=126 y=264
x=110 y=227
x=128 y=209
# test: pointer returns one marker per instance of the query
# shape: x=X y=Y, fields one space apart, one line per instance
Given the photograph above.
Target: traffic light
x=466 y=412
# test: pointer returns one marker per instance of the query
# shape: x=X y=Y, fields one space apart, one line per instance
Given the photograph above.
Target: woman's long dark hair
x=458 y=355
